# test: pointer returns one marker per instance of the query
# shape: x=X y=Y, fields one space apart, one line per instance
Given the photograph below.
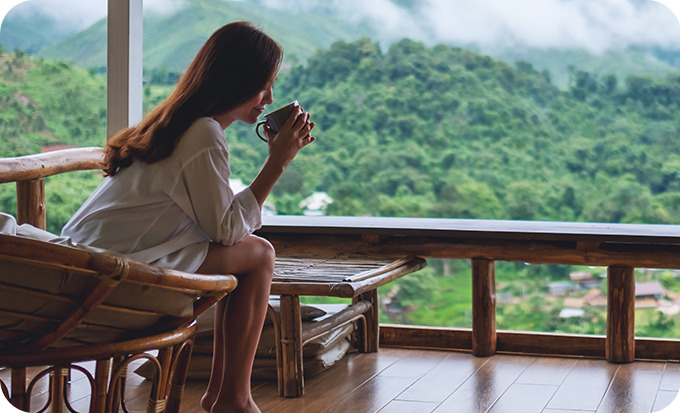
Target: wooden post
x=620 y=343
x=483 y=307
x=291 y=346
x=31 y=203
x=372 y=339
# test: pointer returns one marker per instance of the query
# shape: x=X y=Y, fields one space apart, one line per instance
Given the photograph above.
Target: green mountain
x=445 y=132
x=172 y=40
x=419 y=131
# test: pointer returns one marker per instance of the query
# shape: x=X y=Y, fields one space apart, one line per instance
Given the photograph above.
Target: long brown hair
x=233 y=65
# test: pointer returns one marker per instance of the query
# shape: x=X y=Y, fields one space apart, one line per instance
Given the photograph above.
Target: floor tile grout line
x=609 y=386
x=507 y=388
x=461 y=384
x=573 y=366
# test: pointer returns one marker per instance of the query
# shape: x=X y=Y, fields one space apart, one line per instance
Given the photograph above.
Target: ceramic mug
x=276 y=119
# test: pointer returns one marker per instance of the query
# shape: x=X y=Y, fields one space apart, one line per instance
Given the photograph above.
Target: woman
x=167 y=201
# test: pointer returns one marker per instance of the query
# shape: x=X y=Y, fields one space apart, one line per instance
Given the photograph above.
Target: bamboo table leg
x=371 y=342
x=291 y=346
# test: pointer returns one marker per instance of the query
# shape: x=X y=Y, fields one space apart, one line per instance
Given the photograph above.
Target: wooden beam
x=522 y=342
x=496 y=248
x=425 y=337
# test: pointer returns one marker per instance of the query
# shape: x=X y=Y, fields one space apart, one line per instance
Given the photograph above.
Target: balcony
x=480 y=369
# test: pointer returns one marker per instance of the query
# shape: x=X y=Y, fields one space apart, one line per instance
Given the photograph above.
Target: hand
x=294 y=135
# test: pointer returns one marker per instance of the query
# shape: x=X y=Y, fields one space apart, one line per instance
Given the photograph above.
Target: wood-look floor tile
x=331 y=386
x=527 y=398
x=417 y=364
x=671 y=377
x=631 y=391
x=585 y=386
x=547 y=371
x=403 y=406
x=488 y=383
x=437 y=384
x=370 y=396
x=664 y=399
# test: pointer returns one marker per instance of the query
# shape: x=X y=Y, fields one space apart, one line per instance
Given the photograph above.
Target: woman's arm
x=283 y=147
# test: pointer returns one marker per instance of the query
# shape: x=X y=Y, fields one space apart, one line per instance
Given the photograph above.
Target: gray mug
x=276 y=119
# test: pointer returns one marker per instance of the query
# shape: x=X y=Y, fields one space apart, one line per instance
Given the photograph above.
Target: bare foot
x=207 y=401
x=230 y=407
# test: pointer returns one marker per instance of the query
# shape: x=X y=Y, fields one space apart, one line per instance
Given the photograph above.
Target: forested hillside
x=418 y=131
x=444 y=132
x=172 y=38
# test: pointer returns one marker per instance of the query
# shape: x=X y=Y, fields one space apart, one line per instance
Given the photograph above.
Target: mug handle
x=257 y=130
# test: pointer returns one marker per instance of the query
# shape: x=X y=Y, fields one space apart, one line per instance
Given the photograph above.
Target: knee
x=264 y=251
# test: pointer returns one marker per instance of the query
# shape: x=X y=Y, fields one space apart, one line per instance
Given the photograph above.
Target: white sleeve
x=224 y=216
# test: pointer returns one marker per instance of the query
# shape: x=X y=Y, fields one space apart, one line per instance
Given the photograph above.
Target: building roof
x=649 y=288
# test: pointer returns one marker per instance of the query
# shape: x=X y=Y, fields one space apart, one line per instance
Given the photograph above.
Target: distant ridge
x=172 y=40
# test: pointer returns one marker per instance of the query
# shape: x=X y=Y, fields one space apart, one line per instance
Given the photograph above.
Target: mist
x=80 y=14
x=490 y=25
x=594 y=25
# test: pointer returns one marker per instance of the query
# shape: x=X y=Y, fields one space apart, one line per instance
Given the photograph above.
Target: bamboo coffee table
x=339 y=276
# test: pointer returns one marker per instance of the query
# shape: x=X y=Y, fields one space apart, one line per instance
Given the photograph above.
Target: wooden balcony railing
x=619 y=247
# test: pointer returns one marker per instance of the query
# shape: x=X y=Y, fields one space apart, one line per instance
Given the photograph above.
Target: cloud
x=595 y=25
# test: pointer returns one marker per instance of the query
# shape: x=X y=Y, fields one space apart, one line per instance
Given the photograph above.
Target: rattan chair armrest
x=51 y=163
x=45 y=254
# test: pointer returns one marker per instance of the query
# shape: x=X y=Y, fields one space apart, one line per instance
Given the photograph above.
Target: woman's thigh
x=250 y=254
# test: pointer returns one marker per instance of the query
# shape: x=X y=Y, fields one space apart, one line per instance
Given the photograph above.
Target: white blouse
x=166 y=213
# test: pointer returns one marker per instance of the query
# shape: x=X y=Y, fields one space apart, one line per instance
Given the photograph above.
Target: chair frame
x=172 y=336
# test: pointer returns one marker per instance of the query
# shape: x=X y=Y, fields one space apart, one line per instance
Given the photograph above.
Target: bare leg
x=242 y=317
x=215 y=381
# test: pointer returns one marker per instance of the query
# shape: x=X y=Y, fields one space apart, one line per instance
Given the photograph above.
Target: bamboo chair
x=61 y=305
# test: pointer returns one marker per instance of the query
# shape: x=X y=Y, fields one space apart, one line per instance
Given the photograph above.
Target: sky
x=595 y=25
x=83 y=13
